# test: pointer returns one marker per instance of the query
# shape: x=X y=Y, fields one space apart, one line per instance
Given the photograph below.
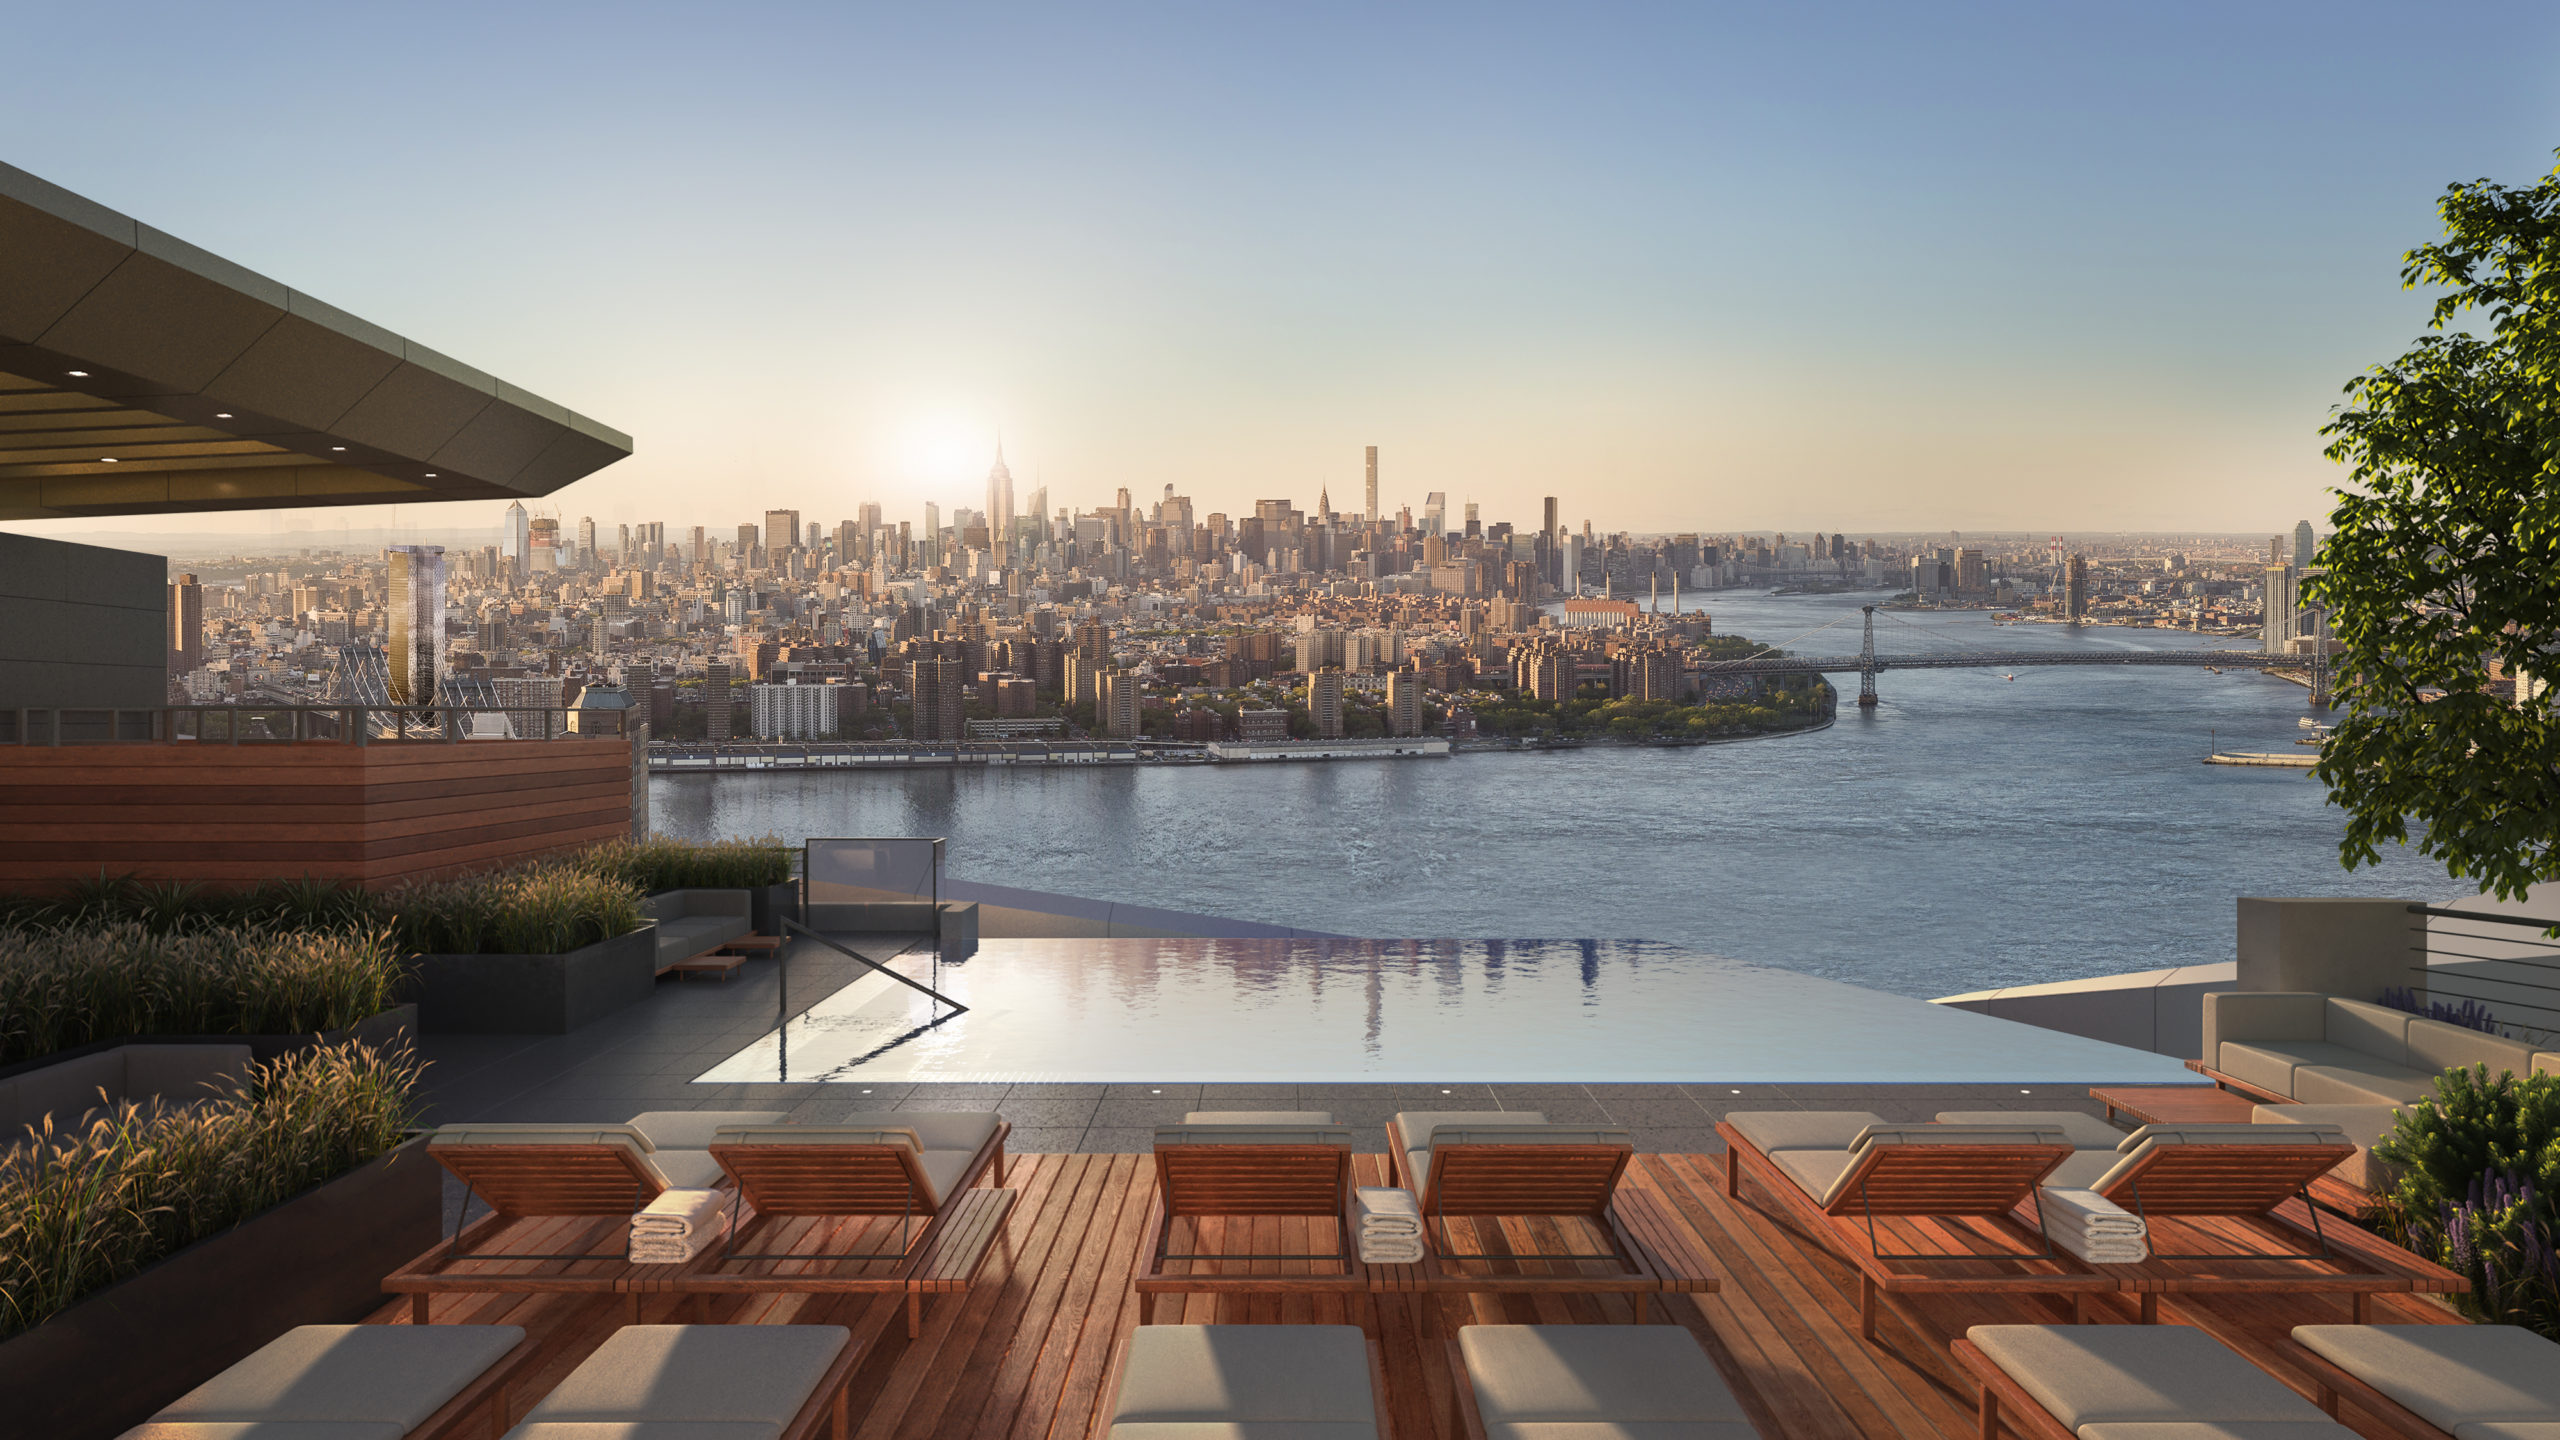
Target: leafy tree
x=2446 y=557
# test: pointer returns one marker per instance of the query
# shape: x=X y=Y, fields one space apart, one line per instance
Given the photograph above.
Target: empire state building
x=999 y=499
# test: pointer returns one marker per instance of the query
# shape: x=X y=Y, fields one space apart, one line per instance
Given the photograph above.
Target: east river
x=1972 y=831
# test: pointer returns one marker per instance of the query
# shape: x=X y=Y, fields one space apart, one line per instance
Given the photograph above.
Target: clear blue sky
x=1852 y=267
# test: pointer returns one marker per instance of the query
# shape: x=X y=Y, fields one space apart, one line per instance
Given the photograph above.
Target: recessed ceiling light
x=221 y=414
x=337 y=447
x=79 y=374
x=431 y=475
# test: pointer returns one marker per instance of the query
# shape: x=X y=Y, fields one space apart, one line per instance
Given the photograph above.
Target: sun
x=944 y=446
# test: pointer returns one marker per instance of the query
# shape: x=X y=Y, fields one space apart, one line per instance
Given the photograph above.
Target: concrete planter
x=535 y=994
x=104 y=1365
x=378 y=1031
x=775 y=904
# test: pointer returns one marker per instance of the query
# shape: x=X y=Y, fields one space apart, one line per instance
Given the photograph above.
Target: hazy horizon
x=1686 y=268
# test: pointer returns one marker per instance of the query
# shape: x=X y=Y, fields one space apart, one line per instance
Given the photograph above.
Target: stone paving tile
x=1184 y=1093
x=945 y=1090
x=1650 y=1111
x=1220 y=1094
x=1038 y=1141
x=1042 y=1114
x=1604 y=1092
x=1719 y=1093
x=1133 y=1114
x=1056 y=1090
x=1100 y=1141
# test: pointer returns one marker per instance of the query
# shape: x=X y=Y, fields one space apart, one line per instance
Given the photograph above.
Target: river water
x=1972 y=831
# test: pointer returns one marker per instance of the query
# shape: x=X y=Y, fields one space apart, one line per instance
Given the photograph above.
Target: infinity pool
x=1347 y=1011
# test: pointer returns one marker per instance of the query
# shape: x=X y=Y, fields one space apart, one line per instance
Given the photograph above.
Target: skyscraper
x=2075 y=588
x=2303 y=543
x=2283 y=601
x=586 y=539
x=515 y=540
x=781 y=534
x=936 y=689
x=1404 y=703
x=999 y=499
x=186 y=625
x=1370 y=515
x=1115 y=707
x=416 y=658
x=1435 y=513
x=719 y=713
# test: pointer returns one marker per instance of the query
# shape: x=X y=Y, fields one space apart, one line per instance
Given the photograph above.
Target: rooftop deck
x=1023 y=1355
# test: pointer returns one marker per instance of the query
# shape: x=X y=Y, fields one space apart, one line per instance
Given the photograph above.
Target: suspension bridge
x=1869 y=662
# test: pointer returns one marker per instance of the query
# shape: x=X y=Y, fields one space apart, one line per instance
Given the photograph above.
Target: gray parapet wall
x=82 y=626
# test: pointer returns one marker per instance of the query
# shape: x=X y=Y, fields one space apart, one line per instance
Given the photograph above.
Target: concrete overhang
x=140 y=375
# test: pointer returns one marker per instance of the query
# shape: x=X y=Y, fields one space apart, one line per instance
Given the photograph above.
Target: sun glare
x=944 y=446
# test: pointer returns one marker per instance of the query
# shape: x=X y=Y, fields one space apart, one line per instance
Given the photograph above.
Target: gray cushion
x=2263 y=1015
x=697 y=1372
x=2361 y=1124
x=1244 y=1132
x=2084 y=1132
x=2375 y=1084
x=689 y=1169
x=2297 y=1132
x=1814 y=1171
x=693 y=1129
x=1877 y=1136
x=2509 y=1430
x=1623 y=1430
x=2449 y=1375
x=937 y=1129
x=511 y=1133
x=1593 y=1373
x=2435 y=1046
x=2081 y=1171
x=1258 y=1117
x=1244 y=1430
x=2269 y=1064
x=1416 y=1125
x=2377 y=1030
x=1771 y=1131
x=2220 y=1431
x=1244 y=1373
x=2321 y=1429
x=400 y=1374
x=2102 y=1374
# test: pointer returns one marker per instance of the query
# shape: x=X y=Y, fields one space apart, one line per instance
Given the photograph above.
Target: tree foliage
x=2444 y=570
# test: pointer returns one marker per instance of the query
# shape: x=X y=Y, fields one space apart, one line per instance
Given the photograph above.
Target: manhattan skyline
x=1987 y=268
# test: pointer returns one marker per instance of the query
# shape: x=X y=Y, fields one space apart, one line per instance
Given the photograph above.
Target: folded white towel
x=1386 y=1213
x=1391 y=1249
x=2086 y=1212
x=660 y=1250
x=678 y=1214
x=2105 y=1251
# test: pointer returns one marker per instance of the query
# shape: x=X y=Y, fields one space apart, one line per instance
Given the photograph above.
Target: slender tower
x=416 y=661
x=1371 y=515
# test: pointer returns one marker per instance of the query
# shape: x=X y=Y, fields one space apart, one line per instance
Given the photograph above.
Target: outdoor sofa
x=697 y=922
x=354 y=1382
x=2470 y=1382
x=2315 y=1049
x=1591 y=1382
x=2131 y=1382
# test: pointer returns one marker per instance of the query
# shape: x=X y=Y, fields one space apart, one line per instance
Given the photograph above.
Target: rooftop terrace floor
x=1024 y=1354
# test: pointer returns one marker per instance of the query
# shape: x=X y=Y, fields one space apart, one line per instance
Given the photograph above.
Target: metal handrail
x=2442 y=913
x=789 y=924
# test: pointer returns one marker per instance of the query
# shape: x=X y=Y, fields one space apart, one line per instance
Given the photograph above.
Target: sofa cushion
x=2376 y=1030
x=2448 y=1375
x=1622 y=1430
x=1258 y=1117
x=2372 y=1084
x=399 y=1374
x=1771 y=1131
x=2263 y=1016
x=689 y=1169
x=2294 y=1132
x=2117 y=1374
x=1244 y=1374
x=2435 y=1046
x=697 y=1372
x=1593 y=1374
x=695 y=935
x=1892 y=1134
x=2269 y=1065
x=693 y=1129
x=2083 y=1130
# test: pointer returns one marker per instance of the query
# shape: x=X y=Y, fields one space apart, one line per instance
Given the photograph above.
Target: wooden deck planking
x=1025 y=1352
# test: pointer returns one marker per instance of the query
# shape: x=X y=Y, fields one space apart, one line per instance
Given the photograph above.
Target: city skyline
x=1981 y=268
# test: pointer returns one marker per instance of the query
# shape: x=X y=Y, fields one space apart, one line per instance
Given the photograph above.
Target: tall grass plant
x=69 y=985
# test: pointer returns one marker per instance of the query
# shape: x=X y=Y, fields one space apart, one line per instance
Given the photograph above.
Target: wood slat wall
x=378 y=814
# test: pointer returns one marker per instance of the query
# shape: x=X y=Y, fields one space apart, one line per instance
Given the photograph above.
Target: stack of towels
x=676 y=1226
x=2096 y=1229
x=1390 y=1226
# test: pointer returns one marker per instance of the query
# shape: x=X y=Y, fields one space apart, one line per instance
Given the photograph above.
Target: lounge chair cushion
x=693 y=1129
x=1771 y=1131
x=1258 y=1117
x=2137 y=1374
x=942 y=1168
x=481 y=1133
x=389 y=1374
x=2084 y=1131
x=1814 y=1171
x=2081 y=1171
x=1581 y=1382
x=1892 y=1136
x=634 y=1430
x=937 y=1129
x=1416 y=1127
x=2321 y=1429
x=2448 y=1375
x=1249 y=1375
x=2139 y=1145
x=1516 y=1134
x=267 y=1430
x=1248 y=1132
x=2508 y=1430
x=741 y=1374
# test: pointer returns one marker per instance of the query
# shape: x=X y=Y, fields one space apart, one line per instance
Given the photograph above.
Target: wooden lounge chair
x=2232 y=1170
x=389 y=1380
x=1524 y=1381
x=2435 y=1382
x=922 y=1167
x=1218 y=1173
x=1482 y=1169
x=1919 y=1208
x=784 y=1381
x=2101 y=1382
x=1219 y=1382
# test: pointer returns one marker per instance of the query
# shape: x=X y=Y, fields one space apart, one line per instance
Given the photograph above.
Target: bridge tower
x=2319 y=661
x=1867 y=663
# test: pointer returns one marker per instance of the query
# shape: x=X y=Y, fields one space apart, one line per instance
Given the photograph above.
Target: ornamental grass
x=547 y=908
x=658 y=863
x=66 y=985
x=82 y=1210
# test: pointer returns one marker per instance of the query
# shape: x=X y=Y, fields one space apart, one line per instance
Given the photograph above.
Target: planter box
x=535 y=994
x=374 y=1030
x=107 y=1363
x=775 y=904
